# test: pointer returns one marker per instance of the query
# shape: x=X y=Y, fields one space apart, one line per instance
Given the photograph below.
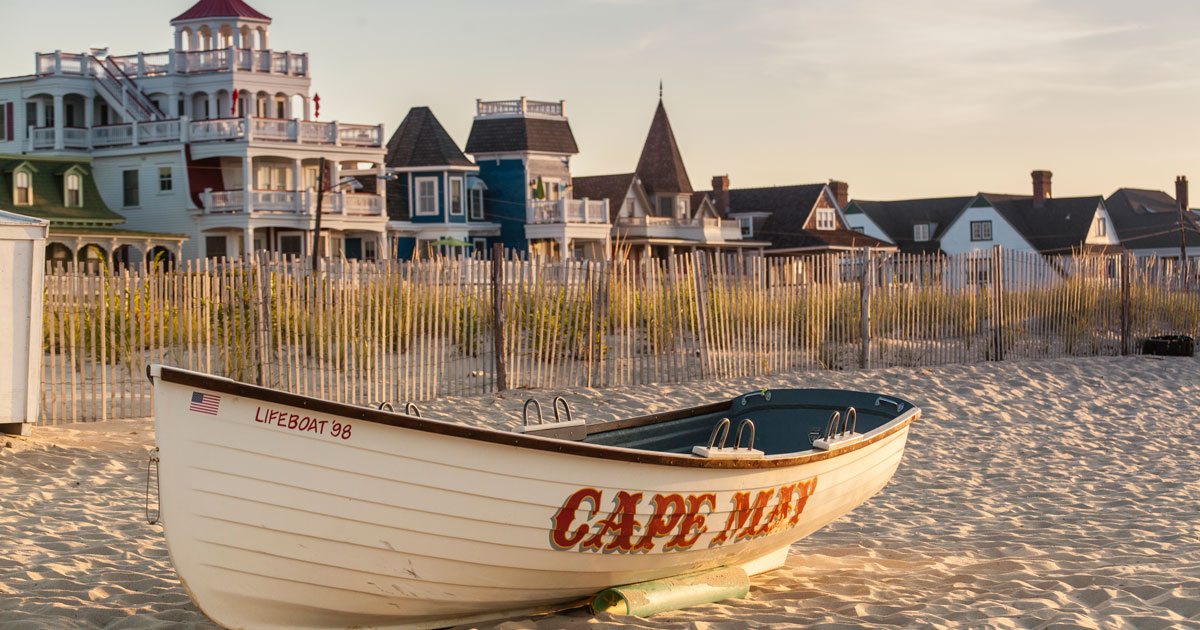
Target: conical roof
x=661 y=166
x=420 y=140
x=220 y=9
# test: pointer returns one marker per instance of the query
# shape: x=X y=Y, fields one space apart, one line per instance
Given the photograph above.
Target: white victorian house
x=216 y=139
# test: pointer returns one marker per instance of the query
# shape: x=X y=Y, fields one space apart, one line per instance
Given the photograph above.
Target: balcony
x=288 y=202
x=284 y=63
x=519 y=107
x=706 y=222
x=182 y=130
x=570 y=211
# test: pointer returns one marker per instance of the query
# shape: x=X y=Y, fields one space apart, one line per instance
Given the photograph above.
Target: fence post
x=1125 y=292
x=498 y=344
x=258 y=260
x=997 y=303
x=864 y=317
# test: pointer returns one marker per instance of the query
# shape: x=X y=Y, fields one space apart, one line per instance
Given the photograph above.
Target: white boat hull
x=273 y=521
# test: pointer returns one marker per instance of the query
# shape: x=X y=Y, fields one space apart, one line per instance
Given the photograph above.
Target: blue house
x=523 y=150
x=436 y=204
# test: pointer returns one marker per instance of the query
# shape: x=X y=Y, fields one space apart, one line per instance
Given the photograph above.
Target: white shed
x=22 y=258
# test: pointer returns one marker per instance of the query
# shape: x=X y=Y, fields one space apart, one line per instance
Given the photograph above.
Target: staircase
x=122 y=93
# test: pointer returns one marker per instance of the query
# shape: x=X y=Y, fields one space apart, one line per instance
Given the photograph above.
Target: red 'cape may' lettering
x=676 y=520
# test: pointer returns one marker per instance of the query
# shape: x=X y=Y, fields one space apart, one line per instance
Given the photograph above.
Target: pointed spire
x=660 y=90
x=661 y=165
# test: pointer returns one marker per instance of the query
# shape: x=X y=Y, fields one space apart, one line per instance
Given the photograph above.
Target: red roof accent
x=220 y=8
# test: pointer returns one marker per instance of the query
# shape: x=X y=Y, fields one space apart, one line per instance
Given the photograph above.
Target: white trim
x=417 y=181
x=460 y=183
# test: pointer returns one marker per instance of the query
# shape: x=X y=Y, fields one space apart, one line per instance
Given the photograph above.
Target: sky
x=900 y=98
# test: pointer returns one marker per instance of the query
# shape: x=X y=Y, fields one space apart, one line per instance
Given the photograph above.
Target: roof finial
x=660 y=89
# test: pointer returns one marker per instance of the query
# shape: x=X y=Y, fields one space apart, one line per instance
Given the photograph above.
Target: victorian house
x=654 y=210
x=436 y=198
x=216 y=139
x=523 y=150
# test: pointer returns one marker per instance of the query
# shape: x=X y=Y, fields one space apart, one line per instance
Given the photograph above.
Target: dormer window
x=826 y=219
x=74 y=190
x=22 y=188
x=747 y=225
x=1101 y=227
x=921 y=232
x=681 y=208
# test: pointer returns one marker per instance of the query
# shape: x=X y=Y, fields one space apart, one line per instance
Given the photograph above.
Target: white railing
x=159 y=131
x=291 y=201
x=521 y=107
x=202 y=61
x=274 y=129
x=360 y=135
x=180 y=61
x=41 y=137
x=361 y=204
x=76 y=138
x=312 y=132
x=217 y=129
x=570 y=211
x=112 y=135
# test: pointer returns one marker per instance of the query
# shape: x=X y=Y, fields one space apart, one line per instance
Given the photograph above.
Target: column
x=89 y=114
x=307 y=108
x=41 y=113
x=237 y=37
x=212 y=106
x=58 y=121
x=247 y=183
x=178 y=39
x=247 y=240
x=335 y=176
x=287 y=108
x=297 y=182
x=564 y=248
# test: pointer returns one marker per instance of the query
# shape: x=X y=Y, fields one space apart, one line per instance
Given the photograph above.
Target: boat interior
x=764 y=423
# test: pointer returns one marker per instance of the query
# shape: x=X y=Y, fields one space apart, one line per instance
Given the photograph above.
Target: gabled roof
x=220 y=9
x=897 y=218
x=46 y=176
x=790 y=208
x=610 y=187
x=1146 y=219
x=1060 y=225
x=661 y=165
x=519 y=134
x=420 y=141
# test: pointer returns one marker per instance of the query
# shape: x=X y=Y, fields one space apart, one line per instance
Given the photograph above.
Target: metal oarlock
x=411 y=409
x=525 y=411
x=152 y=471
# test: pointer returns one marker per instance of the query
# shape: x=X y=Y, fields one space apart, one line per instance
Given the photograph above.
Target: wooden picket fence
x=398 y=331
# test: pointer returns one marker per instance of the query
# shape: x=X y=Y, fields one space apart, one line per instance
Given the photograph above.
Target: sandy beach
x=1062 y=493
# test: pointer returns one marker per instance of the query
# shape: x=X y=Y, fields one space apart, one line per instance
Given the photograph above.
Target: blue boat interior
x=784 y=421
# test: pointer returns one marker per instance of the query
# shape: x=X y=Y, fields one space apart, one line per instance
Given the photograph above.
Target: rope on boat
x=152 y=470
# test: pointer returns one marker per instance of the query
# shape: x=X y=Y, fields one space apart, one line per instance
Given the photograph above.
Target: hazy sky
x=900 y=98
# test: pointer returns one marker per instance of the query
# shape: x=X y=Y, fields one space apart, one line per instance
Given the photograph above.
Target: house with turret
x=218 y=139
x=436 y=199
x=523 y=149
x=654 y=210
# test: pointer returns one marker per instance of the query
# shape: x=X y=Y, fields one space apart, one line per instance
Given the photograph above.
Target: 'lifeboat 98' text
x=303 y=424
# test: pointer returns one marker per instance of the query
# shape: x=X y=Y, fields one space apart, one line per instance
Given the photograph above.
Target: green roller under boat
x=650 y=598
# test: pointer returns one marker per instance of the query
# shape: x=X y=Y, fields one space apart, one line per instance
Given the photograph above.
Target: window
x=475 y=201
x=166 y=182
x=480 y=247
x=4 y=121
x=370 y=249
x=681 y=208
x=22 y=189
x=747 y=225
x=921 y=232
x=309 y=177
x=214 y=246
x=291 y=245
x=456 y=196
x=74 y=195
x=1101 y=227
x=981 y=230
x=426 y=203
x=272 y=177
x=129 y=184
x=664 y=206
x=825 y=219
x=860 y=230
x=31 y=114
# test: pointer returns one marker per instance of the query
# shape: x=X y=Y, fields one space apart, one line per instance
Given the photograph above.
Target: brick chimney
x=841 y=192
x=720 y=189
x=1181 y=193
x=1041 y=188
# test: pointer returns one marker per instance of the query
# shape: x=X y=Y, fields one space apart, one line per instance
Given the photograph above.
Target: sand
x=1032 y=494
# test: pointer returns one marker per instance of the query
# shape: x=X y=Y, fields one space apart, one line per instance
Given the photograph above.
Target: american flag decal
x=205 y=403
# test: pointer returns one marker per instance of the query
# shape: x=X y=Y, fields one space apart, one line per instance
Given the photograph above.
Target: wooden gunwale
x=235 y=388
